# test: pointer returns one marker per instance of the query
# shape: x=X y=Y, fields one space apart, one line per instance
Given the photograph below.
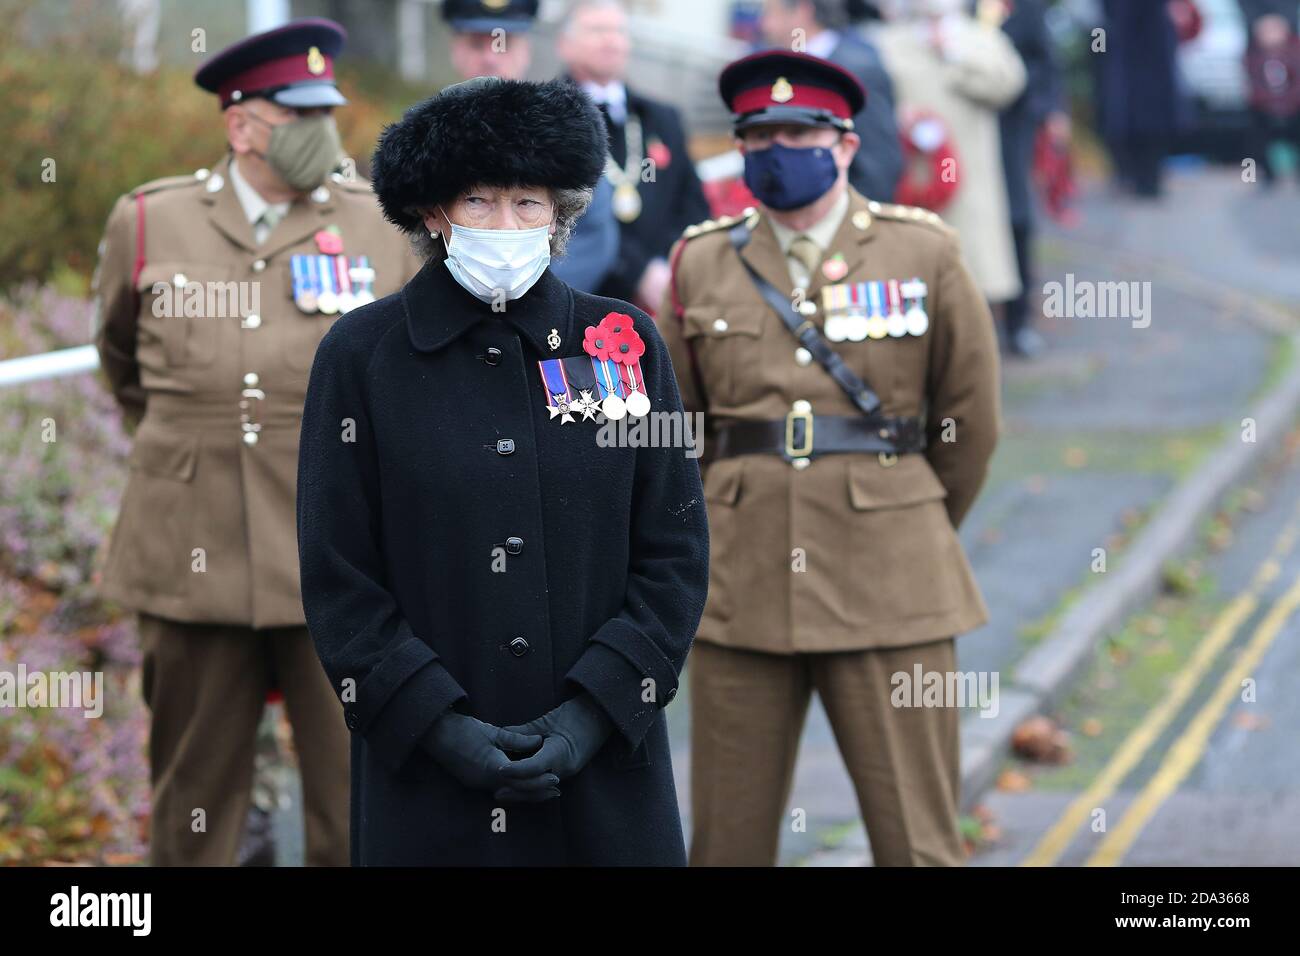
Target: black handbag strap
x=859 y=392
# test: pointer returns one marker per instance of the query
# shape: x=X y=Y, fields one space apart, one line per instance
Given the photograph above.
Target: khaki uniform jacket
x=853 y=551
x=207 y=351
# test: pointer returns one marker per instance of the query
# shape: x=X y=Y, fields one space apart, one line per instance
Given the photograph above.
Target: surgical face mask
x=783 y=177
x=304 y=151
x=498 y=262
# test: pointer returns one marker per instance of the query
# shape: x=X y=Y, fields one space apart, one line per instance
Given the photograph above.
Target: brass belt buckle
x=888 y=459
x=801 y=411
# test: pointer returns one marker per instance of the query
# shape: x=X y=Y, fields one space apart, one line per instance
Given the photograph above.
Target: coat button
x=719 y=325
x=259 y=265
x=250 y=438
x=505 y=446
x=802 y=356
x=251 y=380
x=519 y=647
x=251 y=321
x=514 y=545
x=493 y=356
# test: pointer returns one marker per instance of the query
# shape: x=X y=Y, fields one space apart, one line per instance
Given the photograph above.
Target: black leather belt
x=801 y=435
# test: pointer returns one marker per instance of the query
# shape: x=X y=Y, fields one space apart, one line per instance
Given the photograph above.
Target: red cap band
x=809 y=97
x=275 y=73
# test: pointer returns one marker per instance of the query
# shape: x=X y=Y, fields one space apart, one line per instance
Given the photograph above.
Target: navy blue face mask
x=783 y=177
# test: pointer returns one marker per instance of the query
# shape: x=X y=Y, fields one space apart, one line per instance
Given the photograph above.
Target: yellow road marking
x=1055 y=842
x=1187 y=749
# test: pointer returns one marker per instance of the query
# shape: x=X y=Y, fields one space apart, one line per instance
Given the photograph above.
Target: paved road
x=1194 y=773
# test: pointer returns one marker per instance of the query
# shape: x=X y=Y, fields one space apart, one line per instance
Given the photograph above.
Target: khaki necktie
x=806 y=253
x=265 y=223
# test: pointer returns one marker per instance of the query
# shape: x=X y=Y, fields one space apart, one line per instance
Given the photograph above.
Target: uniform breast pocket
x=726 y=344
x=184 y=305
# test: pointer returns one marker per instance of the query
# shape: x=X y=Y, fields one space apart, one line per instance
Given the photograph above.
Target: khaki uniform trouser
x=747 y=714
x=206 y=685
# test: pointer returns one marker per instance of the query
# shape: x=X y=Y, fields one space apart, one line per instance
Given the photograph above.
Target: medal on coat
x=347 y=299
x=855 y=323
x=876 y=326
x=558 y=398
x=363 y=280
x=896 y=322
x=304 y=292
x=917 y=321
x=581 y=378
x=835 y=301
x=638 y=402
x=609 y=384
x=328 y=300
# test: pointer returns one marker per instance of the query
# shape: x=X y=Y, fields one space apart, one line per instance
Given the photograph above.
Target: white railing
x=36 y=368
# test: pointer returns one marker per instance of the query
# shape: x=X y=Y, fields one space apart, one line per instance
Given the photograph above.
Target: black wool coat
x=426 y=444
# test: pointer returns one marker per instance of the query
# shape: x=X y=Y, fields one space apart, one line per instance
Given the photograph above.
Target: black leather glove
x=572 y=732
x=474 y=753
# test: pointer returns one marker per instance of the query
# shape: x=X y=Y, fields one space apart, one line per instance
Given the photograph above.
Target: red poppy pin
x=329 y=242
x=659 y=153
x=614 y=338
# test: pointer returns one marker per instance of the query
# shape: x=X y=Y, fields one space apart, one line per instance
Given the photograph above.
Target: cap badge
x=495 y=4
x=315 y=62
x=782 y=91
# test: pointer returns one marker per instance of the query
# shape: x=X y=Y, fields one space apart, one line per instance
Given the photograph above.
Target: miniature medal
x=896 y=322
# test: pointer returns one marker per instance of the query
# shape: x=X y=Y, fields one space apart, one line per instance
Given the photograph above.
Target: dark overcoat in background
x=1027 y=28
x=397 y=529
x=672 y=202
x=878 y=163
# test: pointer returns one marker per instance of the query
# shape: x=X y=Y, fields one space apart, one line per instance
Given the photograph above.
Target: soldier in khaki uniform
x=213 y=292
x=835 y=560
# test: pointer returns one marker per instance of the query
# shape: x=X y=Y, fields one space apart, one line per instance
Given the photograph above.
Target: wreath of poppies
x=928 y=190
x=614 y=338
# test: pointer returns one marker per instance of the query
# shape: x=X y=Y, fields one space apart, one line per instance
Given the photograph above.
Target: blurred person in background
x=821 y=27
x=1273 y=68
x=1139 y=102
x=205 y=547
x=953 y=74
x=491 y=38
x=1039 y=104
x=646 y=138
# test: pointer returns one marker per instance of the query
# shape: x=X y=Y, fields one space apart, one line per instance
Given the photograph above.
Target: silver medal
x=857 y=328
x=917 y=321
x=613 y=407
x=638 y=403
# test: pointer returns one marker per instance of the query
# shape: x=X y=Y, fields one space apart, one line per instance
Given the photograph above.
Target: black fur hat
x=488 y=132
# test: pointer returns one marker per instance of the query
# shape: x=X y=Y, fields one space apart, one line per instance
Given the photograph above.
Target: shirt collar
x=613 y=94
x=250 y=199
x=821 y=232
x=439 y=310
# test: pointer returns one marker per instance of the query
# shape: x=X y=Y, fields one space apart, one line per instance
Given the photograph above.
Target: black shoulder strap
x=859 y=392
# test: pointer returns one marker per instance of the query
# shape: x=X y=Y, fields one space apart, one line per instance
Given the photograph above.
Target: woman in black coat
x=502 y=596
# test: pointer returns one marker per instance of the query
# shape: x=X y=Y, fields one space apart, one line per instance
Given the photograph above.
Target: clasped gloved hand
x=572 y=734
x=475 y=753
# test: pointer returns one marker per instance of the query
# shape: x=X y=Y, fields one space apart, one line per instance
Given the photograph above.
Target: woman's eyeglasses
x=481 y=211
